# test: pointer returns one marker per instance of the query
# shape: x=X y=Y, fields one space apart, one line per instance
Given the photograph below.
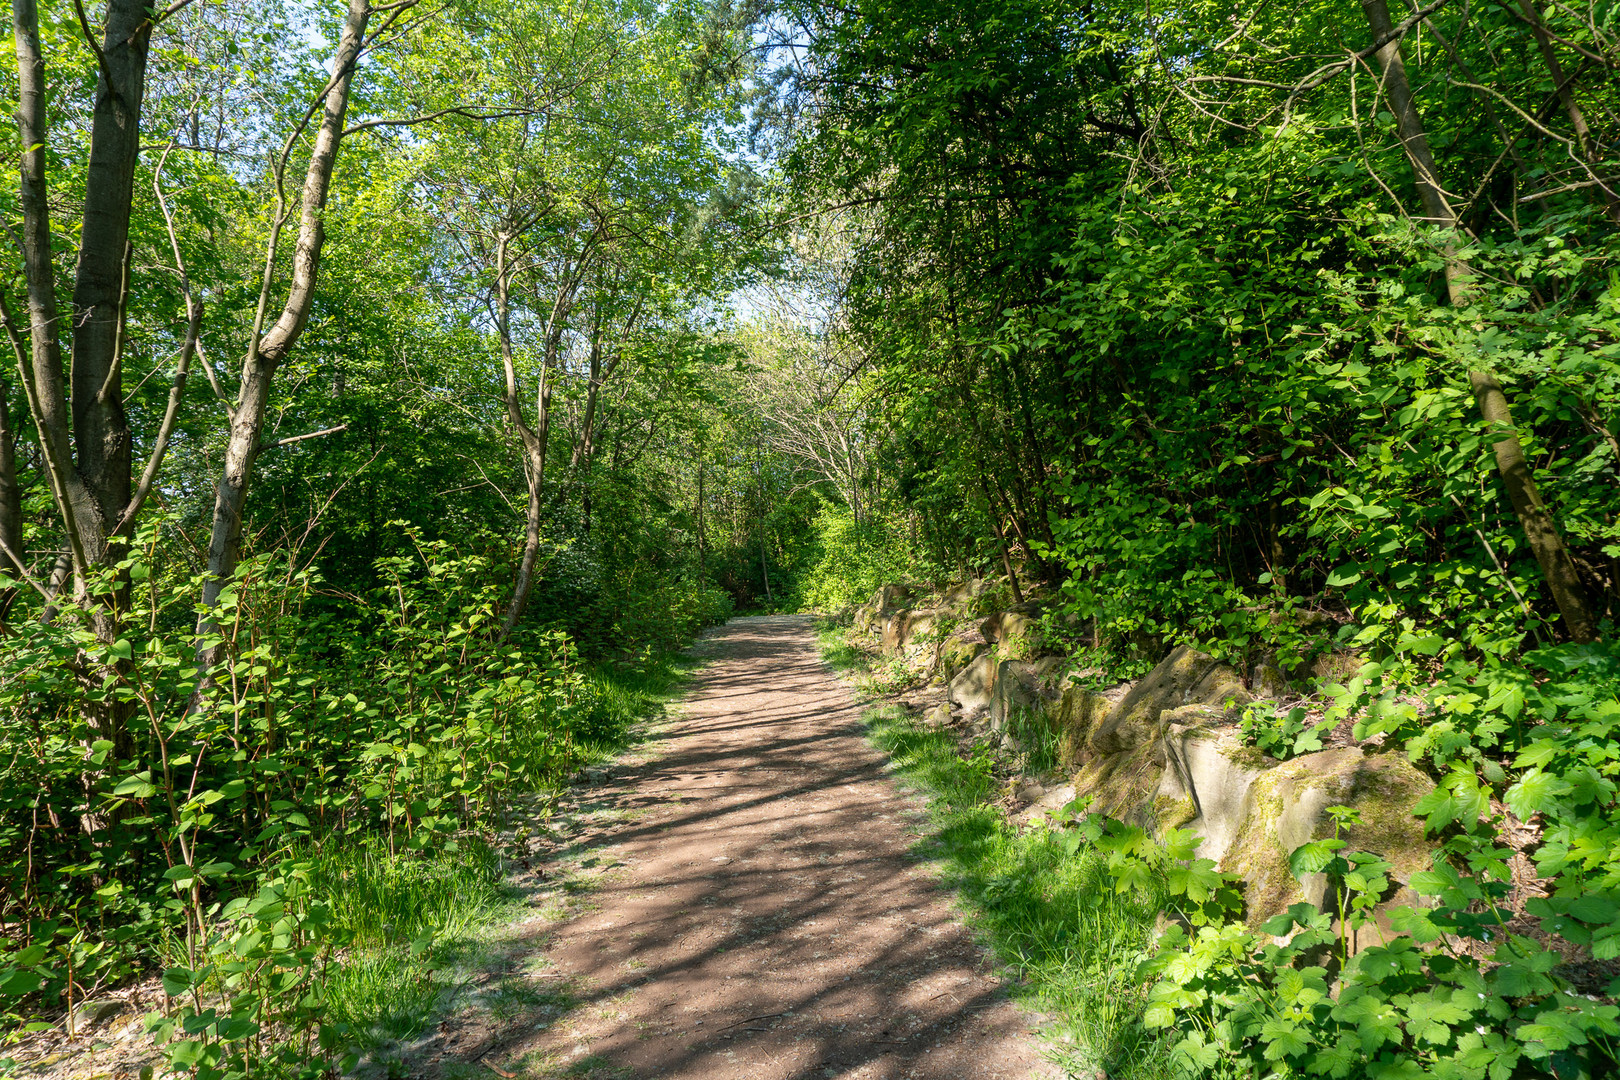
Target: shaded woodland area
x=398 y=387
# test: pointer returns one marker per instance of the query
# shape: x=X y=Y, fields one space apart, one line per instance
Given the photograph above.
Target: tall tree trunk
x=101 y=284
x=11 y=541
x=1556 y=565
x=535 y=469
x=533 y=439
x=44 y=381
x=84 y=435
x=267 y=352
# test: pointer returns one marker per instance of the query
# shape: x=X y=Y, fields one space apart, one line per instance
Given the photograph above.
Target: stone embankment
x=1164 y=752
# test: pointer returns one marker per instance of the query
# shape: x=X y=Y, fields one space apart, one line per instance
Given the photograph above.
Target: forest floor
x=753 y=909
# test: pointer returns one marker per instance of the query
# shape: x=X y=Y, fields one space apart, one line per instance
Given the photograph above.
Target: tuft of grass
x=383 y=996
x=1037 y=738
x=384 y=899
x=836 y=650
x=1057 y=918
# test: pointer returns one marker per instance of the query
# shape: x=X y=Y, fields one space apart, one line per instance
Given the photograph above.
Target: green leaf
x=177 y=982
x=1536 y=792
x=1314 y=857
x=1284 y=1038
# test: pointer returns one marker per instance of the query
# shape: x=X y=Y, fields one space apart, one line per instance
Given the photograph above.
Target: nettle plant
x=1362 y=990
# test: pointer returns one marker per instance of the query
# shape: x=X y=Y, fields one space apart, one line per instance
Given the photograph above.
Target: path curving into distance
x=766 y=920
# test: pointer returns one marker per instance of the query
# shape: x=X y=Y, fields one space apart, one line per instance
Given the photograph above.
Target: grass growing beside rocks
x=431 y=931
x=1055 y=918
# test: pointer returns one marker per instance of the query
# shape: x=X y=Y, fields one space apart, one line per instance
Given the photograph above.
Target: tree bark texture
x=1539 y=528
x=100 y=428
x=267 y=352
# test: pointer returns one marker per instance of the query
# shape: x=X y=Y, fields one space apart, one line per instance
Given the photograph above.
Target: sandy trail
x=766 y=920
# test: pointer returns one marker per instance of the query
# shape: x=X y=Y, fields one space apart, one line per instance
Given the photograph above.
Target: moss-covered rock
x=1024 y=687
x=904 y=626
x=1185 y=677
x=870 y=617
x=958 y=651
x=1288 y=809
x=1134 y=722
x=961 y=600
x=972 y=687
x=1221 y=688
x=1020 y=637
x=1075 y=712
x=1123 y=785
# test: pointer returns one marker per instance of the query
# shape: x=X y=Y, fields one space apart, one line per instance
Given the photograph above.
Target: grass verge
x=427 y=926
x=1055 y=918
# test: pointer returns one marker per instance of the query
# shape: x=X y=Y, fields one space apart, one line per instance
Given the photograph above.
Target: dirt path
x=765 y=920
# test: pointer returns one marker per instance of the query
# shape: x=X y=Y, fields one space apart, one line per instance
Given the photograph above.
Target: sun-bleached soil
x=763 y=918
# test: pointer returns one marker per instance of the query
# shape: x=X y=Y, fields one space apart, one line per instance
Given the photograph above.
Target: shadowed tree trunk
x=86 y=445
x=267 y=349
x=79 y=413
x=1556 y=565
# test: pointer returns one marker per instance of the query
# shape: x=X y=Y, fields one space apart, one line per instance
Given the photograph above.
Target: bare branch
x=289 y=440
x=469 y=111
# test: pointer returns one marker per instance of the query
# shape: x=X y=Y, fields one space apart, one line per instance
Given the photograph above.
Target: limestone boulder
x=974 y=685
x=1185 y=677
x=1074 y=713
x=957 y=651
x=870 y=617
x=1016 y=632
x=1208 y=765
x=1126 y=786
x=1287 y=808
x=1023 y=687
x=902 y=628
x=958 y=601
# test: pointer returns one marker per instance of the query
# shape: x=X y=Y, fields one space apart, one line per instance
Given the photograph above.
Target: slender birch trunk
x=11 y=543
x=1539 y=528
x=268 y=350
x=533 y=438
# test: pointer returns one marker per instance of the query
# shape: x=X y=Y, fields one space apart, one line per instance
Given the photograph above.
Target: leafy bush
x=1461 y=993
x=236 y=822
x=1297 y=998
x=850 y=562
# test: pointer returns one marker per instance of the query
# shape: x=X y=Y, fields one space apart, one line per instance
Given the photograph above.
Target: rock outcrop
x=974 y=686
x=1164 y=752
x=889 y=598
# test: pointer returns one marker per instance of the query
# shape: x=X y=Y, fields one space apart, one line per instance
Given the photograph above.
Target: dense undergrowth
x=296 y=838
x=1466 y=984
